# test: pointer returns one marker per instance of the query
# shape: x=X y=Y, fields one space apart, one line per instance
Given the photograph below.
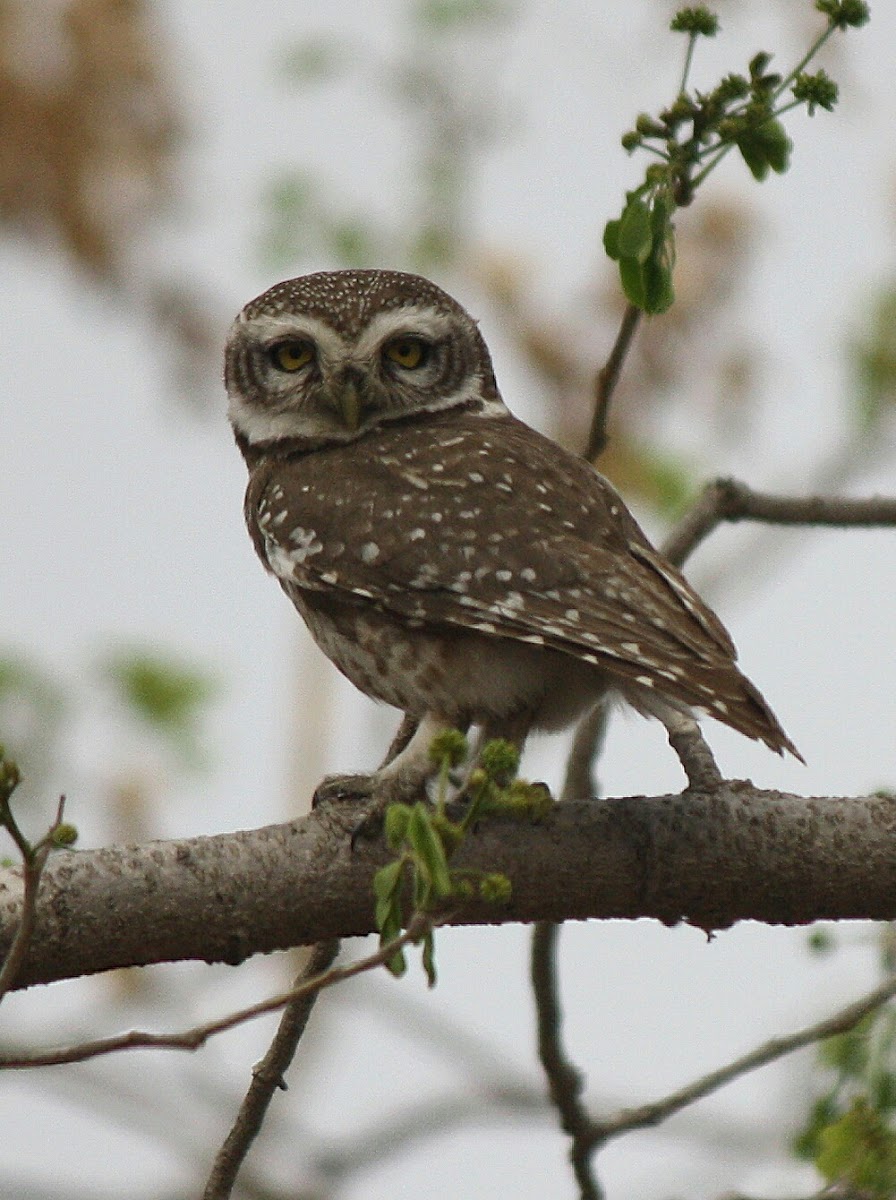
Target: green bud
x=64 y=835
x=845 y=13
x=817 y=90
x=698 y=21
x=500 y=760
x=450 y=745
x=495 y=888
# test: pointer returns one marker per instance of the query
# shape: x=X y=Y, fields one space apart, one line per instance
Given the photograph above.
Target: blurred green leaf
x=316 y=60
x=848 y=1052
x=765 y=147
x=874 y=359
x=444 y=15
x=859 y=1150
x=163 y=692
x=351 y=241
x=821 y=941
x=429 y=957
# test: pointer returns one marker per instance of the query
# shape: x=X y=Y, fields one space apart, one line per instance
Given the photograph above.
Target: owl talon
x=343 y=788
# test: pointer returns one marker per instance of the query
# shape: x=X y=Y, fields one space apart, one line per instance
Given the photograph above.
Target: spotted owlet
x=447 y=558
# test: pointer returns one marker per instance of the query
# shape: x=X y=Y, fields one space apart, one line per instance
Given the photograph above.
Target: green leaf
x=821 y=941
x=884 y=1093
x=631 y=275
x=752 y=153
x=397 y=964
x=161 y=691
x=611 y=238
x=387 y=879
x=429 y=957
x=396 y=825
x=824 y=1112
x=387 y=892
x=777 y=145
x=765 y=146
x=848 y=1052
x=859 y=1150
x=428 y=848
x=635 y=238
x=658 y=291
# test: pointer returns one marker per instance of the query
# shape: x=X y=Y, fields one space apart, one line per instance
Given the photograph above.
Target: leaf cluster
x=692 y=135
x=424 y=839
x=850 y=1135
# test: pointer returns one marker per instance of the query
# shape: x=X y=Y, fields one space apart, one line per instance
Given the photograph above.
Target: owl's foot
x=344 y=788
x=372 y=794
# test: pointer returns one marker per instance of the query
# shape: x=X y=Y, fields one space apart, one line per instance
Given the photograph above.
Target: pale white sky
x=123 y=522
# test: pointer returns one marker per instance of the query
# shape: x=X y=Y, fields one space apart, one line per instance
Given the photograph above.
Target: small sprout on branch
x=692 y=135
x=698 y=22
x=34 y=858
x=844 y=13
x=815 y=91
x=425 y=839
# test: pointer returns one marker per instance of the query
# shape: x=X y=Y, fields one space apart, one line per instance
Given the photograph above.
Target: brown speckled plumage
x=449 y=559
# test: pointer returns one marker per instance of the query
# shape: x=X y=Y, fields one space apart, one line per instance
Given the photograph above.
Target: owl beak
x=349 y=403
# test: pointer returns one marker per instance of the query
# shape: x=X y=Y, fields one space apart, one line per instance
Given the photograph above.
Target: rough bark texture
x=739 y=854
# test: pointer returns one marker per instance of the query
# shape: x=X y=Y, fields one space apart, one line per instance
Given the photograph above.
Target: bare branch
x=739 y=853
x=268 y=1075
x=652 y=1114
x=192 y=1039
x=729 y=500
x=606 y=380
x=564 y=1081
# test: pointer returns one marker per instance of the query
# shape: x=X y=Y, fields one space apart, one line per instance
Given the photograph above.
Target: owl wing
x=487 y=526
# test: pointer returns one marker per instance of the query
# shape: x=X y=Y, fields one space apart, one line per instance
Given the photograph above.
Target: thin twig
x=729 y=500
x=606 y=380
x=33 y=863
x=652 y=1114
x=192 y=1039
x=268 y=1076
x=565 y=1082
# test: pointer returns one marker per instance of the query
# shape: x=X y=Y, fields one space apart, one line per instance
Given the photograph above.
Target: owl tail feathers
x=754 y=718
x=727 y=695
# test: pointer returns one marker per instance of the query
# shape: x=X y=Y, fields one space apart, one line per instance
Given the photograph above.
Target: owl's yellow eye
x=407 y=352
x=291 y=356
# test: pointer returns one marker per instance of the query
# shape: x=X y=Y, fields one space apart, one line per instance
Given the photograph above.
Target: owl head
x=327 y=357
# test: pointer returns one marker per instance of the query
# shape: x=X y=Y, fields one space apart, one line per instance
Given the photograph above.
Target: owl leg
x=412 y=766
x=403 y=735
x=693 y=753
x=513 y=729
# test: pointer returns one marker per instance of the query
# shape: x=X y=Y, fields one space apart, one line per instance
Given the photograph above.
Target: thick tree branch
x=738 y=854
